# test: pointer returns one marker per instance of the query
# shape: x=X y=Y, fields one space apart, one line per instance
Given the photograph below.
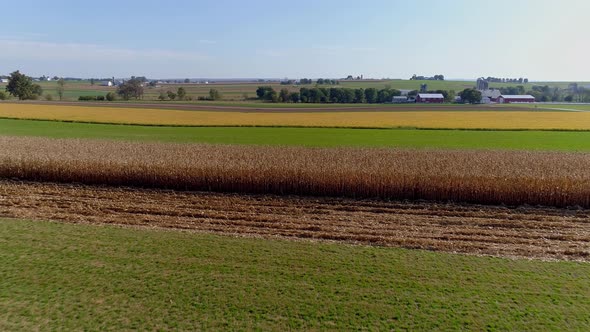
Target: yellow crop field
x=383 y=119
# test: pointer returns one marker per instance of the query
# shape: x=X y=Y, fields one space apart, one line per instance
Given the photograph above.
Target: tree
x=37 y=90
x=371 y=95
x=130 y=89
x=317 y=95
x=348 y=95
x=60 y=88
x=186 y=80
x=451 y=96
x=262 y=91
x=171 y=95
x=304 y=95
x=214 y=94
x=267 y=93
x=181 y=93
x=20 y=86
x=92 y=81
x=471 y=96
x=359 y=96
x=284 y=96
x=272 y=96
x=294 y=97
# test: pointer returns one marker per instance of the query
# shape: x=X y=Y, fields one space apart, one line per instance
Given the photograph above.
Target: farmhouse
x=490 y=96
x=106 y=83
x=399 y=99
x=3 y=80
x=509 y=99
x=430 y=98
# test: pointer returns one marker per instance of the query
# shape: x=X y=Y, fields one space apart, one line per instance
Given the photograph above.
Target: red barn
x=508 y=99
x=430 y=98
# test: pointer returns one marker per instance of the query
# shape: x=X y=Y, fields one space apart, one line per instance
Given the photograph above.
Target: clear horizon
x=540 y=40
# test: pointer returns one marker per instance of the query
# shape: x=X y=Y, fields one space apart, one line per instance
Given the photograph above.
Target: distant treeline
x=327 y=95
x=307 y=81
x=505 y=80
x=337 y=95
x=424 y=78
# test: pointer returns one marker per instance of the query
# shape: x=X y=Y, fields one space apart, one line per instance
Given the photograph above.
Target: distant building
x=430 y=98
x=3 y=80
x=106 y=83
x=399 y=99
x=490 y=96
x=509 y=99
x=482 y=84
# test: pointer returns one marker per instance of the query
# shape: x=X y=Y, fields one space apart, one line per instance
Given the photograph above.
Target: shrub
x=87 y=98
x=100 y=98
x=48 y=97
x=110 y=96
x=3 y=95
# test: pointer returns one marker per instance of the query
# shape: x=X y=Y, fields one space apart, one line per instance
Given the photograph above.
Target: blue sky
x=539 y=39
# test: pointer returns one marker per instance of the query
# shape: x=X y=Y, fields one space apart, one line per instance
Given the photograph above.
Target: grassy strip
x=327 y=137
x=283 y=126
x=62 y=276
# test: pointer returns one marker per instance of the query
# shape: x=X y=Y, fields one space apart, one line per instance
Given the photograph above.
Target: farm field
x=311 y=137
x=63 y=276
x=370 y=119
x=316 y=235
x=232 y=91
x=485 y=177
x=550 y=234
x=258 y=106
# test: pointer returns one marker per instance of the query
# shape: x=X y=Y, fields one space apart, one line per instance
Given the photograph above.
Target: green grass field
x=406 y=138
x=82 y=277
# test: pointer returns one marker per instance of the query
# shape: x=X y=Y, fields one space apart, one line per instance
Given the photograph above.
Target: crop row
x=486 y=177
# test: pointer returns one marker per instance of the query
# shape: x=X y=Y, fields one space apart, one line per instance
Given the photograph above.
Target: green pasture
x=319 y=137
x=85 y=277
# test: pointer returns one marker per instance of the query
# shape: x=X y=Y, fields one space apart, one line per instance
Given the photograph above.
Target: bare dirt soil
x=531 y=232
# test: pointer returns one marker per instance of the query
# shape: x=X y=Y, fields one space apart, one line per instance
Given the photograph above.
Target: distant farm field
x=351 y=119
x=320 y=137
x=240 y=91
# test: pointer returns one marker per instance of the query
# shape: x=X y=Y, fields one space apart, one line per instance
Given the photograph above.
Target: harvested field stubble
x=546 y=233
x=486 y=177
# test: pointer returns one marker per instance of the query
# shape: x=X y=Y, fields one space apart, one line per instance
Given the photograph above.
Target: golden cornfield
x=335 y=118
x=486 y=177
